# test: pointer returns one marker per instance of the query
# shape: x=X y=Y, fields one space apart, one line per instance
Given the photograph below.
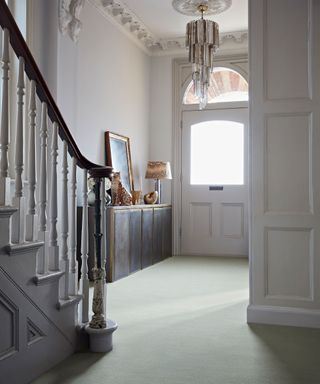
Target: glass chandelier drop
x=202 y=39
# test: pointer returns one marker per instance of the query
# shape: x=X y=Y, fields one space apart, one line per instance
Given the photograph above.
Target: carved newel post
x=98 y=321
x=100 y=329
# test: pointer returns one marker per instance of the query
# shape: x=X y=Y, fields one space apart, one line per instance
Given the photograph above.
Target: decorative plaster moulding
x=192 y=7
x=117 y=12
x=69 y=14
x=231 y=42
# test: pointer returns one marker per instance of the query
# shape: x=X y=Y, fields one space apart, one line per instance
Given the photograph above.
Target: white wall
x=43 y=39
x=113 y=91
x=160 y=143
x=67 y=97
x=105 y=82
x=100 y=83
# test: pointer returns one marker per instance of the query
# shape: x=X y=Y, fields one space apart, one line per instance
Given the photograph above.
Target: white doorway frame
x=181 y=80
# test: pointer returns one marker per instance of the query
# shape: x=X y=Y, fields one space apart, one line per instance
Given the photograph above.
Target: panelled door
x=285 y=162
x=215 y=182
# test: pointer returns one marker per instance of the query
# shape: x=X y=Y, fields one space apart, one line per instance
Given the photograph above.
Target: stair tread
x=73 y=300
x=48 y=278
x=7 y=211
x=17 y=249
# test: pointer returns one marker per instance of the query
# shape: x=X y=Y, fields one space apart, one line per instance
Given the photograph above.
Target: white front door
x=215 y=182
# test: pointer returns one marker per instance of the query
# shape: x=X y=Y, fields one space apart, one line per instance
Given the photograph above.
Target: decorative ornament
x=108 y=184
x=191 y=7
x=91 y=194
x=69 y=13
x=119 y=195
x=136 y=195
x=151 y=197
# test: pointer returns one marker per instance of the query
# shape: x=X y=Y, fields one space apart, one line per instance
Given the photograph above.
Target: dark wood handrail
x=21 y=49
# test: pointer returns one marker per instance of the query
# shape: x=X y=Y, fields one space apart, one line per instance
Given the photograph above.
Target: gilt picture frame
x=118 y=156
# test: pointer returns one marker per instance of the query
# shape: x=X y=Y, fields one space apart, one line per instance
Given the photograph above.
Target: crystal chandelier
x=202 y=39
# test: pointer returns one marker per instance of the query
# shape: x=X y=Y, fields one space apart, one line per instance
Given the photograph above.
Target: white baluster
x=43 y=233
x=73 y=289
x=32 y=217
x=53 y=204
x=5 y=198
x=18 y=200
x=65 y=263
x=84 y=281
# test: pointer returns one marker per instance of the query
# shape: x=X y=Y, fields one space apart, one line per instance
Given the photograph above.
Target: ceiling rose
x=191 y=7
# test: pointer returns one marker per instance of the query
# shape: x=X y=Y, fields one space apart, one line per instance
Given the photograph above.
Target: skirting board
x=294 y=317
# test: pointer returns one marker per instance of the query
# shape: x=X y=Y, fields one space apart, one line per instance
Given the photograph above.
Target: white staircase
x=40 y=289
x=37 y=330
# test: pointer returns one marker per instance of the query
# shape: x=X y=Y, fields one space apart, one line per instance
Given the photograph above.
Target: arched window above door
x=227 y=85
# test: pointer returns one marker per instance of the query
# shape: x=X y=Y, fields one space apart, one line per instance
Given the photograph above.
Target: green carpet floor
x=183 y=321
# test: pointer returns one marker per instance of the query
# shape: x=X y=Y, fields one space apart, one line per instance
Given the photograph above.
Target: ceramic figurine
x=119 y=195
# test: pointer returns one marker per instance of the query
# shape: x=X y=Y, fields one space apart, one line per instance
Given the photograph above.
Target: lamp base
x=158 y=189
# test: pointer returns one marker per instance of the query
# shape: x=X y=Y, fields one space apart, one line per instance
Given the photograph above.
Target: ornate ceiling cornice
x=235 y=37
x=237 y=41
x=120 y=15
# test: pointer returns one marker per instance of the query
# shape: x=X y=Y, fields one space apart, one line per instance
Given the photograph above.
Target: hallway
x=183 y=321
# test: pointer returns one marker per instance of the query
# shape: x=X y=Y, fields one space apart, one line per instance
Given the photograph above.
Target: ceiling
x=158 y=29
x=164 y=22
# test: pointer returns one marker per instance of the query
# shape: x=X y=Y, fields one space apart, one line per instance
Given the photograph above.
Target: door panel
x=135 y=242
x=122 y=245
x=167 y=235
x=147 y=230
x=214 y=217
x=157 y=236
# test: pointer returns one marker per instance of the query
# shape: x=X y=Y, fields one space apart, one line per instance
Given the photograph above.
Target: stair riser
x=45 y=296
x=34 y=335
x=5 y=234
x=20 y=265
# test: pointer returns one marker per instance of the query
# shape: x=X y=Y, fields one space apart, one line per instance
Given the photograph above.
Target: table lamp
x=158 y=170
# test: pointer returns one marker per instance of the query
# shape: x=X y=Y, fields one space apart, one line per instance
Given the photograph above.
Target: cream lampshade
x=158 y=170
